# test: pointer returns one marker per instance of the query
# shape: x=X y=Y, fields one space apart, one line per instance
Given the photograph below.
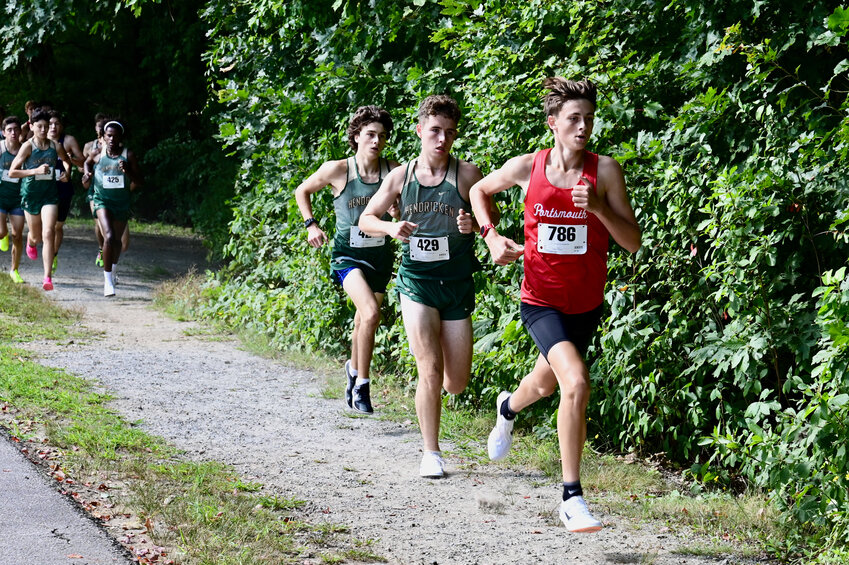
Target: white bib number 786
x=562 y=239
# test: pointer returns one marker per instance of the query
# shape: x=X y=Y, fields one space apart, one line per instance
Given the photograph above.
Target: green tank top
x=111 y=185
x=350 y=245
x=38 y=157
x=9 y=187
x=437 y=249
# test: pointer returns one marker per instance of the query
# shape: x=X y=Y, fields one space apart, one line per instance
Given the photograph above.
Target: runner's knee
x=575 y=384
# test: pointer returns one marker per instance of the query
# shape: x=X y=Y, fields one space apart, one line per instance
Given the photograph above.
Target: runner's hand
x=503 y=249
x=402 y=230
x=316 y=236
x=584 y=196
x=464 y=222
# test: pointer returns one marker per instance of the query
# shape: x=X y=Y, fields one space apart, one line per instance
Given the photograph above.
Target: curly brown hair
x=439 y=105
x=561 y=90
x=364 y=116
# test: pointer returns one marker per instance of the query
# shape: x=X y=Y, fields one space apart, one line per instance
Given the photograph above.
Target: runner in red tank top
x=574 y=200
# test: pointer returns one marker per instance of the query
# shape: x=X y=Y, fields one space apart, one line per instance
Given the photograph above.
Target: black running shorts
x=548 y=327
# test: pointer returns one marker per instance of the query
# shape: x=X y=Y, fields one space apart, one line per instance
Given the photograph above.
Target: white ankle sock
x=361 y=381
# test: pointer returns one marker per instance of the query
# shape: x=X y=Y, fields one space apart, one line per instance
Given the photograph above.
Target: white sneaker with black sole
x=501 y=436
x=432 y=465
x=576 y=516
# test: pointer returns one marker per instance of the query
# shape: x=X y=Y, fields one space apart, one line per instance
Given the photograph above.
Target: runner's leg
x=17 y=228
x=539 y=383
x=49 y=213
x=366 y=320
x=456 y=337
x=574 y=380
x=423 y=328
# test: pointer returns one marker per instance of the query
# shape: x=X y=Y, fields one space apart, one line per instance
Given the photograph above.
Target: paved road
x=40 y=526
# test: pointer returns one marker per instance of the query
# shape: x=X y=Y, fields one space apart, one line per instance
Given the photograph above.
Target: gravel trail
x=270 y=422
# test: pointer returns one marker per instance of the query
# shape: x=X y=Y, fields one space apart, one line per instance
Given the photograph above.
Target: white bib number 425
x=359 y=240
x=429 y=249
x=562 y=240
x=113 y=181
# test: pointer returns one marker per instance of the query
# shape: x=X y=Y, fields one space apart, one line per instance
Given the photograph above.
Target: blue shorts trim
x=13 y=212
x=342 y=273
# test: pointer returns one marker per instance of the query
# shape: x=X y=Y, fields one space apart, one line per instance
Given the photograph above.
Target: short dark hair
x=439 y=105
x=11 y=120
x=58 y=115
x=364 y=116
x=39 y=115
x=561 y=90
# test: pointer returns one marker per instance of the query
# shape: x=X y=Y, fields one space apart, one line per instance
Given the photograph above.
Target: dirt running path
x=270 y=422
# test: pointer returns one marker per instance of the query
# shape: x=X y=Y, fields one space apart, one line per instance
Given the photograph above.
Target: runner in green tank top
x=362 y=265
x=10 y=196
x=435 y=279
x=34 y=164
x=115 y=172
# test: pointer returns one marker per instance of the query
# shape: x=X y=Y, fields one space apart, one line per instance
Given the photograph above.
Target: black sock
x=572 y=489
x=505 y=410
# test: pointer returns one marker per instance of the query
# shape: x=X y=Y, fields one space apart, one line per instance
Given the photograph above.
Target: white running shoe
x=108 y=289
x=501 y=436
x=432 y=465
x=576 y=516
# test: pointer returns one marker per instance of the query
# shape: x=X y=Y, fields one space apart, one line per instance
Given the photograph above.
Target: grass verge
x=162 y=507
x=139 y=227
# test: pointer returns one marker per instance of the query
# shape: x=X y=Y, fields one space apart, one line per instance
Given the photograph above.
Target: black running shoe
x=362 y=398
x=349 y=388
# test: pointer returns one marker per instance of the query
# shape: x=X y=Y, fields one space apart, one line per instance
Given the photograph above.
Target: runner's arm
x=66 y=159
x=132 y=169
x=516 y=171
x=327 y=174
x=383 y=199
x=16 y=170
x=612 y=208
x=469 y=174
x=74 y=151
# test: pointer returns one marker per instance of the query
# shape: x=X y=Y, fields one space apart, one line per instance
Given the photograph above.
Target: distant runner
x=115 y=173
x=56 y=132
x=10 y=196
x=35 y=163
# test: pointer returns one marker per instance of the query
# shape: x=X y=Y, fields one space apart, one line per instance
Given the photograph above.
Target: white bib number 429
x=562 y=240
x=429 y=249
x=359 y=240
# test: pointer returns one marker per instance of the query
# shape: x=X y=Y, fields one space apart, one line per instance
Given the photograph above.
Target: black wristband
x=309 y=221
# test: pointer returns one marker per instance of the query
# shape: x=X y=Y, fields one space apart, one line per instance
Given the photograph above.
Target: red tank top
x=565 y=246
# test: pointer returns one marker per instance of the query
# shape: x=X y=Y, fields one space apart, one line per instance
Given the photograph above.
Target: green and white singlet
x=351 y=247
x=112 y=186
x=437 y=250
x=40 y=190
x=10 y=189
